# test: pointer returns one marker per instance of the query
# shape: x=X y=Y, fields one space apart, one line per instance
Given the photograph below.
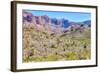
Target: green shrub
x=71 y=56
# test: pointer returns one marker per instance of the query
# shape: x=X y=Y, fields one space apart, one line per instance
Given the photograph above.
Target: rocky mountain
x=88 y=22
x=53 y=24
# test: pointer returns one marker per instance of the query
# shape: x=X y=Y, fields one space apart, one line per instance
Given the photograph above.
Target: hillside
x=50 y=42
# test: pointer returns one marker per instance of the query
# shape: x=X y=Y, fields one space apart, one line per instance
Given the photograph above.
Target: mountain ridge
x=54 y=24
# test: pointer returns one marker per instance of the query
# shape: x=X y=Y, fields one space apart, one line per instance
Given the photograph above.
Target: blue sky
x=71 y=16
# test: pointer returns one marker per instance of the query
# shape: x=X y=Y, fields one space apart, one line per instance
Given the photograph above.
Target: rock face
x=52 y=24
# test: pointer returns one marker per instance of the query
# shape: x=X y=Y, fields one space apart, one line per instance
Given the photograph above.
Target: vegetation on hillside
x=43 y=45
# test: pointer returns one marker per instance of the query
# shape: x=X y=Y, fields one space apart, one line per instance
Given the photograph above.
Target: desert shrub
x=52 y=58
x=34 y=59
x=53 y=46
x=39 y=59
x=71 y=56
x=85 y=54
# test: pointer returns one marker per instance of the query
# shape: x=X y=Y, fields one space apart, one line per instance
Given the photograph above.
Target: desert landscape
x=52 y=39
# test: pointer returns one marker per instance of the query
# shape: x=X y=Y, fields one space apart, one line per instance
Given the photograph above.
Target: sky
x=71 y=16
